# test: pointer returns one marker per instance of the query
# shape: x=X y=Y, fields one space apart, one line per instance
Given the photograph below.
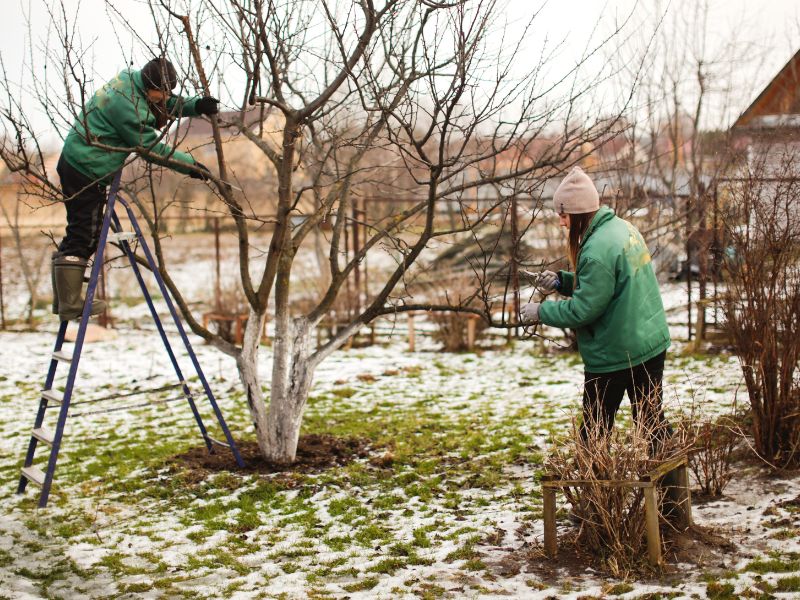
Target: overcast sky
x=773 y=26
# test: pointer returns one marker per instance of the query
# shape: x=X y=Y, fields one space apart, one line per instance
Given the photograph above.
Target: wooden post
x=651 y=516
x=2 y=299
x=689 y=268
x=702 y=262
x=240 y=319
x=356 y=250
x=217 y=278
x=471 y=332
x=366 y=236
x=105 y=317
x=411 y=332
x=515 y=263
x=685 y=495
x=549 y=499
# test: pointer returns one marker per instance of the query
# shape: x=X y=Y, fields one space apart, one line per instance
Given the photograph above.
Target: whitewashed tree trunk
x=247 y=364
x=292 y=375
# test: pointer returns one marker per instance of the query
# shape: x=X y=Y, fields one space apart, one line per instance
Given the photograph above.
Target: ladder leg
x=48 y=383
x=165 y=340
x=179 y=324
x=76 y=355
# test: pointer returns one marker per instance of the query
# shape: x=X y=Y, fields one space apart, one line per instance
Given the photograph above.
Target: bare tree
x=408 y=95
x=688 y=90
x=31 y=262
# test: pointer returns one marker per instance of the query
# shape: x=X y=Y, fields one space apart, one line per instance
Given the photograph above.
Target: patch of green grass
x=420 y=536
x=466 y=551
x=363 y=585
x=345 y=392
x=133 y=588
x=387 y=566
x=618 y=589
x=474 y=564
x=430 y=591
x=370 y=533
x=721 y=591
x=788 y=584
x=773 y=565
x=290 y=568
x=389 y=502
x=337 y=543
x=785 y=534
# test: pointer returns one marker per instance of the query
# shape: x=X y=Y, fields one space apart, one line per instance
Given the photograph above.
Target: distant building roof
x=778 y=105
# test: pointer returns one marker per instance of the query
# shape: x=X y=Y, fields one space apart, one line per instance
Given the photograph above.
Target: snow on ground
x=468 y=433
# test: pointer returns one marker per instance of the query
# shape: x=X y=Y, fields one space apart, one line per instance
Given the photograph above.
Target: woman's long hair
x=578 y=223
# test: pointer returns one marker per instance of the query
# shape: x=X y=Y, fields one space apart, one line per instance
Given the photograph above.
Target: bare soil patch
x=315 y=452
x=699 y=546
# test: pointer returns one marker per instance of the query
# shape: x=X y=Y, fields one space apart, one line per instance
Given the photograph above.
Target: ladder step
x=34 y=475
x=218 y=442
x=62 y=356
x=43 y=435
x=121 y=236
x=52 y=396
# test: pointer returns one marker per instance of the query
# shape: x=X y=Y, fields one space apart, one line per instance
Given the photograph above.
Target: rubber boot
x=53 y=281
x=68 y=275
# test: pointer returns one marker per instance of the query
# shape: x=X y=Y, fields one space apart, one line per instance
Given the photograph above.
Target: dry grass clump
x=610 y=519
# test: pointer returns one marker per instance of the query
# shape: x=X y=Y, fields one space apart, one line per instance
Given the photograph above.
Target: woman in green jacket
x=614 y=304
x=123 y=116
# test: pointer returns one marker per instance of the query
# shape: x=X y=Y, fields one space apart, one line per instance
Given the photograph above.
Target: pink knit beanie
x=576 y=194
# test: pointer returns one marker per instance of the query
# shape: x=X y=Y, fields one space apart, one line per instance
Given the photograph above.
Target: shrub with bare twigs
x=611 y=519
x=762 y=299
x=451 y=328
x=711 y=442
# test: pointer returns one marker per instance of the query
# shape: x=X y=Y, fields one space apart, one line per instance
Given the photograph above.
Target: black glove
x=200 y=171
x=207 y=106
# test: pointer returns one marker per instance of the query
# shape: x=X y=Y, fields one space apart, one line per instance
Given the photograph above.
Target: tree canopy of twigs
x=344 y=100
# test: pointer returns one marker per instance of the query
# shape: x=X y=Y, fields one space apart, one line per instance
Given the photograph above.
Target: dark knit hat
x=159 y=74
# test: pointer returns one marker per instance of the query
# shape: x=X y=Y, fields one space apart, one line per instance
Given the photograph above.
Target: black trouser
x=603 y=392
x=85 y=200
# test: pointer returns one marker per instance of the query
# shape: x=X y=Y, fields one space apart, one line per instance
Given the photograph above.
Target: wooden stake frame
x=647 y=483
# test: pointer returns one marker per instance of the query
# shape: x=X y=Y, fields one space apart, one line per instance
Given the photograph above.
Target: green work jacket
x=616 y=306
x=119 y=115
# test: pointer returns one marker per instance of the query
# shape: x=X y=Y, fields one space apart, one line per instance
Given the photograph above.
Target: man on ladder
x=122 y=117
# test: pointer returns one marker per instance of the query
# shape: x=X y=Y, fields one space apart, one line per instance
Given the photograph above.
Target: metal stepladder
x=50 y=396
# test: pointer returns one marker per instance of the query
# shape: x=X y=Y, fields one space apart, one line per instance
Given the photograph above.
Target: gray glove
x=529 y=313
x=548 y=281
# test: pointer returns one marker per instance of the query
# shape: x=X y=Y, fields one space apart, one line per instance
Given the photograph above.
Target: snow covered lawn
x=447 y=493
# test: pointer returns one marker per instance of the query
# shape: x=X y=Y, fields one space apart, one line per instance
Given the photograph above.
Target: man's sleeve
x=587 y=303
x=178 y=106
x=138 y=134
